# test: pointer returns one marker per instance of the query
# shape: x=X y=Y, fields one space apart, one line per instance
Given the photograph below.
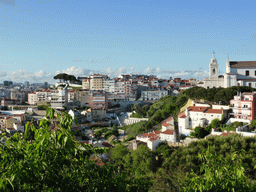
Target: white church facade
x=238 y=73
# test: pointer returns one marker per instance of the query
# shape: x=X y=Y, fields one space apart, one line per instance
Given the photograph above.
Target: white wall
x=231 y=120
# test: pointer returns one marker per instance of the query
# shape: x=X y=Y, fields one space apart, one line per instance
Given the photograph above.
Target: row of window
x=247 y=73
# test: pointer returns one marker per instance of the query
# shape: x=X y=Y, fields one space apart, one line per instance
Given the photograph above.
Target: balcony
x=235 y=107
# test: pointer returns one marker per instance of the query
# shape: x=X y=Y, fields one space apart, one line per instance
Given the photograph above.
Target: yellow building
x=6 y=122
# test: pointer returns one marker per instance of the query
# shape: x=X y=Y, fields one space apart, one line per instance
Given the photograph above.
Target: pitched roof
x=165 y=124
x=197 y=109
x=246 y=79
x=105 y=144
x=167 y=120
x=243 y=64
x=182 y=115
x=168 y=132
x=218 y=111
x=157 y=132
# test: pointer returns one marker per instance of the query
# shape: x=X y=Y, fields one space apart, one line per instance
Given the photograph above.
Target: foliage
x=114 y=106
x=138 y=166
x=223 y=95
x=215 y=123
x=42 y=107
x=117 y=153
x=4 y=108
x=219 y=174
x=237 y=124
x=253 y=124
x=53 y=161
x=167 y=106
x=200 y=132
x=173 y=167
x=65 y=77
x=77 y=133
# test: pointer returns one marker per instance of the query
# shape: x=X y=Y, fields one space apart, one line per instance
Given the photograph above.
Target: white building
x=153 y=95
x=109 y=85
x=59 y=97
x=238 y=73
x=214 y=80
x=197 y=116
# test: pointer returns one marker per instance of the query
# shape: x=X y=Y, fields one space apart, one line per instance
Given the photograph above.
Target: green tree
x=219 y=174
x=54 y=161
x=199 y=132
x=253 y=124
x=117 y=154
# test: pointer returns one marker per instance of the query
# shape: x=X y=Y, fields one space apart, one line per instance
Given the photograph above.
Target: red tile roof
x=243 y=64
x=246 y=79
x=197 y=109
x=170 y=119
x=168 y=132
x=157 y=132
x=107 y=144
x=226 y=133
x=182 y=115
x=218 y=111
x=165 y=124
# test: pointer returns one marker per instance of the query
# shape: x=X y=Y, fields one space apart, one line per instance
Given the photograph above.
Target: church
x=238 y=73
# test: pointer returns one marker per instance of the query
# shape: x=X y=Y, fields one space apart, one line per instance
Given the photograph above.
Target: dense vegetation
x=170 y=106
x=192 y=167
x=157 y=112
x=53 y=161
x=223 y=95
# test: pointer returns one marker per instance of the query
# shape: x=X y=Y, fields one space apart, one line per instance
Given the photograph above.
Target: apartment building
x=109 y=85
x=59 y=98
x=82 y=97
x=18 y=95
x=98 y=100
x=243 y=106
x=7 y=102
x=153 y=94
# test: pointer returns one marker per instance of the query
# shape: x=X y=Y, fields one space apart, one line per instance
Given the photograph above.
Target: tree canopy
x=65 y=77
x=49 y=160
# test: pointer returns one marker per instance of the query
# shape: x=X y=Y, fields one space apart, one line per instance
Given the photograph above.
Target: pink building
x=243 y=106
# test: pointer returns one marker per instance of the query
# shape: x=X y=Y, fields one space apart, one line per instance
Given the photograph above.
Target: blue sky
x=40 y=38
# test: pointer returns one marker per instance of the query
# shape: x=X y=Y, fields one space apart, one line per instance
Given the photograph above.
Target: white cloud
x=77 y=71
x=41 y=76
x=3 y=74
x=182 y=73
x=23 y=75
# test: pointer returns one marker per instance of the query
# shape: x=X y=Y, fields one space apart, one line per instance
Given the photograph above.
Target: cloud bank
x=42 y=76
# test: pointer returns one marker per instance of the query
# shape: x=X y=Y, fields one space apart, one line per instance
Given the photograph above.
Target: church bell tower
x=213 y=68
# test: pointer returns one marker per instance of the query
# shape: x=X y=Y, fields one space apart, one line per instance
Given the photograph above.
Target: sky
x=41 y=38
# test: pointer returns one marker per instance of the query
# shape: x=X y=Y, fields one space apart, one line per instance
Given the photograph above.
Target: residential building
x=153 y=95
x=18 y=95
x=7 y=102
x=194 y=116
x=109 y=85
x=98 y=100
x=59 y=98
x=243 y=106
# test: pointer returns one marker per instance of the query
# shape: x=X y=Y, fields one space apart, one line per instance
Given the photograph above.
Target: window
x=250 y=84
x=255 y=72
x=238 y=84
x=247 y=73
